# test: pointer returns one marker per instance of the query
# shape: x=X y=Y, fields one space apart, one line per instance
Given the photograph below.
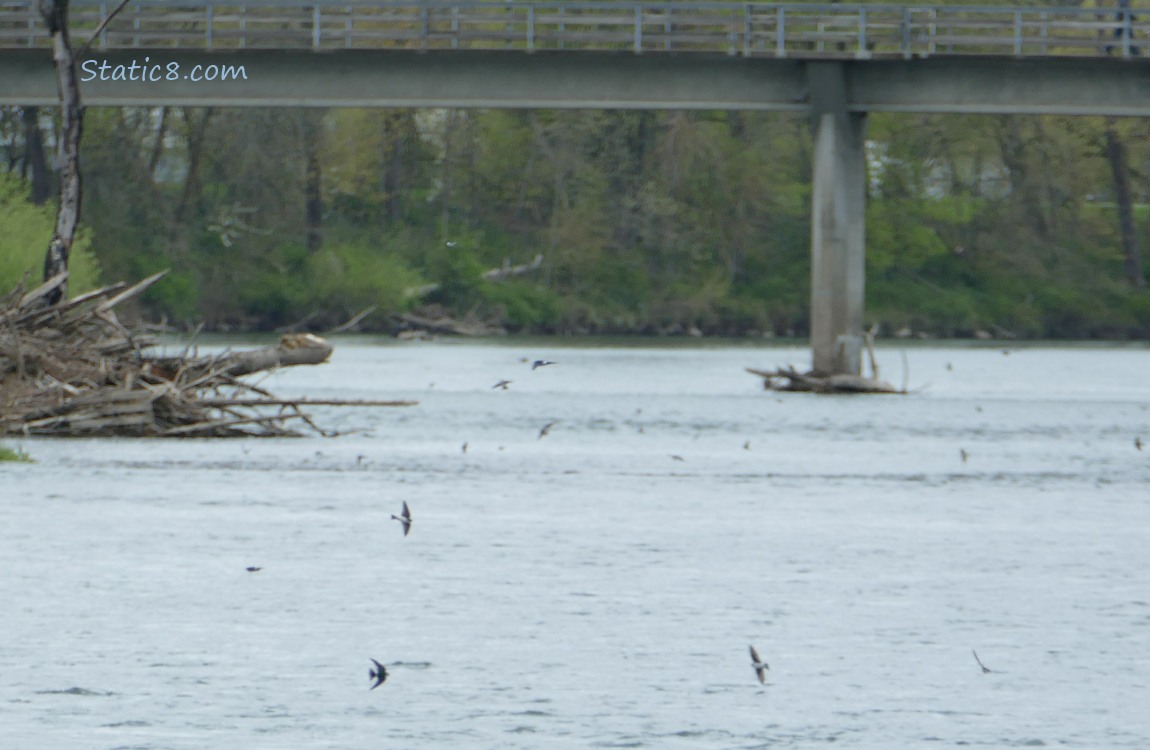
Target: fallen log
x=450 y=325
x=506 y=271
x=353 y=322
x=293 y=349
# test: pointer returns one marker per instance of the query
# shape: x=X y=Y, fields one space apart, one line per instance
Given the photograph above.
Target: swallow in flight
x=546 y=429
x=501 y=384
x=379 y=674
x=985 y=669
x=540 y=363
x=759 y=666
x=404 y=519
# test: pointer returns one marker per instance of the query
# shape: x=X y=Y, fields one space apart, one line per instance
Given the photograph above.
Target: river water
x=588 y=589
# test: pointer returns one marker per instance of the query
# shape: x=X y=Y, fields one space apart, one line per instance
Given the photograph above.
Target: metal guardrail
x=737 y=29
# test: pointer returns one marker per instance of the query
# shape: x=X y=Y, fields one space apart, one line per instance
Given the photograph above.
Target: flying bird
x=379 y=674
x=677 y=457
x=962 y=452
x=760 y=666
x=464 y=448
x=540 y=363
x=404 y=519
x=501 y=384
x=546 y=429
x=1138 y=443
x=253 y=569
x=985 y=669
x=747 y=445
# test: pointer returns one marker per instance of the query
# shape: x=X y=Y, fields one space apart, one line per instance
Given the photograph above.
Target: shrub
x=25 y=230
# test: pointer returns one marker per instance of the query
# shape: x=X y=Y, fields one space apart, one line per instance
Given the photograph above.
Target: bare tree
x=55 y=14
x=311 y=133
x=1116 y=155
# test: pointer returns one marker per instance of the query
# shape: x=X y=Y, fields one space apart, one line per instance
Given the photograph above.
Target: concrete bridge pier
x=838 y=226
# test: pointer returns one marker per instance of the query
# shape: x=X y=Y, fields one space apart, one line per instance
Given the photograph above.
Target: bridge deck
x=739 y=29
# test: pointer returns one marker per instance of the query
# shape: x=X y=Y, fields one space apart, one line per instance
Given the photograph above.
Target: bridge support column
x=838 y=226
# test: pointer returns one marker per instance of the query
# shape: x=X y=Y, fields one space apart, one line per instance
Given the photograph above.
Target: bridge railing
x=742 y=29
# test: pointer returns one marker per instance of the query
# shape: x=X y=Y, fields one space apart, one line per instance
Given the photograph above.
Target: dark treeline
x=647 y=221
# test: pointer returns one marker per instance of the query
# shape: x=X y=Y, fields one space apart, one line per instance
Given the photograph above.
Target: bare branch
x=103 y=25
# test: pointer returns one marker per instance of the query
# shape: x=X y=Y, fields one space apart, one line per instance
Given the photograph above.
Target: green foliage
x=457 y=270
x=175 y=295
x=349 y=278
x=25 y=230
x=523 y=305
x=647 y=221
x=15 y=454
x=335 y=283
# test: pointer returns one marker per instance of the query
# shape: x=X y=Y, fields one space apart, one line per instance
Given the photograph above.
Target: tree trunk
x=35 y=162
x=1116 y=155
x=55 y=13
x=158 y=146
x=1026 y=192
x=396 y=128
x=196 y=135
x=447 y=183
x=313 y=180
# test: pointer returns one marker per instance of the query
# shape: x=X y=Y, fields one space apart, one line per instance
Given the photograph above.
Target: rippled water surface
x=588 y=589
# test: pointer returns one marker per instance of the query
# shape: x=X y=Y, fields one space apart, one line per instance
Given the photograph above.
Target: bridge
x=835 y=62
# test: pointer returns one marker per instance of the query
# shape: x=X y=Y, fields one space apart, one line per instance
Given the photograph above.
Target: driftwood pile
x=73 y=369
x=790 y=379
